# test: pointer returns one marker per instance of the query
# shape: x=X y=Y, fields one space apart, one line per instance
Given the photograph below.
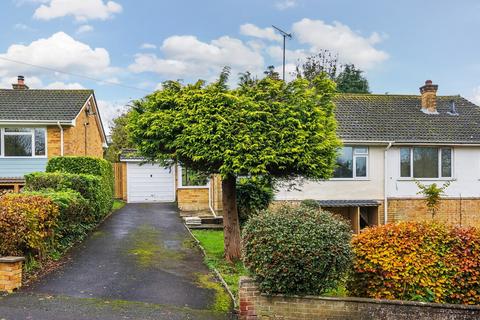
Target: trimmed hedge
x=297 y=250
x=89 y=186
x=417 y=261
x=89 y=166
x=27 y=224
x=75 y=218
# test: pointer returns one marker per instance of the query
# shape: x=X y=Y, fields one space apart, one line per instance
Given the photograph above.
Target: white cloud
x=63 y=85
x=351 y=46
x=286 y=4
x=188 y=56
x=476 y=96
x=61 y=52
x=109 y=110
x=82 y=10
x=32 y=82
x=22 y=27
x=252 y=30
x=84 y=28
x=148 y=46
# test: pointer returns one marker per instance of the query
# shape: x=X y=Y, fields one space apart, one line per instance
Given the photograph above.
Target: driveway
x=139 y=264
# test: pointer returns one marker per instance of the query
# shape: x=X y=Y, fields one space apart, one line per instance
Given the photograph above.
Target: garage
x=149 y=183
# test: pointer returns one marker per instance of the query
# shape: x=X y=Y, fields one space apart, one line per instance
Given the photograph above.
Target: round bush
x=297 y=250
x=417 y=261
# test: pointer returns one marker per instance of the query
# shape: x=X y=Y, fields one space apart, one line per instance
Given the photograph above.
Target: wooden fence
x=120 y=180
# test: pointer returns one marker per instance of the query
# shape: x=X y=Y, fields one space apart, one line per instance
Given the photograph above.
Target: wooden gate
x=120 y=180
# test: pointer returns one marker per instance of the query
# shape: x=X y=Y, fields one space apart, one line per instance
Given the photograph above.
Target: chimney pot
x=20 y=85
x=429 y=97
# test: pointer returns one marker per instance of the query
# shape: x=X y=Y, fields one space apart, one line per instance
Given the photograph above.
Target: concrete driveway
x=140 y=264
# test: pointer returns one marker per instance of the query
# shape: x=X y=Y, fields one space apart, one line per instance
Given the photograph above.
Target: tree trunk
x=231 y=225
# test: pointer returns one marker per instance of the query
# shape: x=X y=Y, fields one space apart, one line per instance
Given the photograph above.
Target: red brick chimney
x=20 y=85
x=429 y=97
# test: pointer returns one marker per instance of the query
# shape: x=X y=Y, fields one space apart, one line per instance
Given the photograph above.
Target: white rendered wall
x=370 y=188
x=465 y=181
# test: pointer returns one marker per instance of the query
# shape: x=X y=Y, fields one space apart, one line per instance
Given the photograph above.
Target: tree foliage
x=348 y=77
x=433 y=195
x=119 y=138
x=265 y=128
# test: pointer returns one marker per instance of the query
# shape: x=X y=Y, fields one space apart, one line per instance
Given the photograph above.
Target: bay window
x=425 y=162
x=352 y=162
x=23 y=142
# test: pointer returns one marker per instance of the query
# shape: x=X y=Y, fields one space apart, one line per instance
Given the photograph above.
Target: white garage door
x=150 y=183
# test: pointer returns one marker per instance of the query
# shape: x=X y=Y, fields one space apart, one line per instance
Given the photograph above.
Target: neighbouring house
x=36 y=125
x=391 y=141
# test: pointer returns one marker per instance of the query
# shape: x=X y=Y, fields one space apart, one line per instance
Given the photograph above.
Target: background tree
x=119 y=138
x=349 y=79
x=270 y=128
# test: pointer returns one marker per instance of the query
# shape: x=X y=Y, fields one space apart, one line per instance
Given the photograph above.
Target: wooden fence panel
x=119 y=180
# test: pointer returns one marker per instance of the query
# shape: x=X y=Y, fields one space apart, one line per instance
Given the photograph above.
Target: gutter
x=385 y=181
x=36 y=122
x=61 y=138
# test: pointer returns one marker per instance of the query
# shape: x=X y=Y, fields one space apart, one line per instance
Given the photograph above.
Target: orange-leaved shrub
x=26 y=224
x=424 y=261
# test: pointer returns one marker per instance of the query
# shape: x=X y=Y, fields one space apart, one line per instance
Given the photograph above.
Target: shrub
x=253 y=195
x=297 y=250
x=89 y=166
x=27 y=224
x=90 y=187
x=75 y=218
x=417 y=261
x=310 y=203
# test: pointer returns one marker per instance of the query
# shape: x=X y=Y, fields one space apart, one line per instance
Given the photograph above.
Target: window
x=352 y=163
x=426 y=162
x=23 y=142
x=192 y=178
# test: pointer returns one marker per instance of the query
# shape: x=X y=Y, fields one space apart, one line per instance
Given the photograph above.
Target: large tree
x=351 y=80
x=264 y=128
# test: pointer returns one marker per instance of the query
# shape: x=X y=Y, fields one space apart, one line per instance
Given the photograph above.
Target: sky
x=125 y=49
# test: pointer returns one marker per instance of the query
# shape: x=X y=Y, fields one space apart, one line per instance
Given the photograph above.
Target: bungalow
x=39 y=124
x=392 y=141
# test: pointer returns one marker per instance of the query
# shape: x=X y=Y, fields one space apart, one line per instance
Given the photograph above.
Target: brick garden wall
x=254 y=305
x=192 y=199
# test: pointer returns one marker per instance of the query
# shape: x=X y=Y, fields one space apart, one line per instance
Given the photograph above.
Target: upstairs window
x=23 y=142
x=425 y=162
x=352 y=162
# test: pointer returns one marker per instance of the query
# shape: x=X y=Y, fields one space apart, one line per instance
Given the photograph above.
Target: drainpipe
x=210 y=194
x=61 y=138
x=385 y=186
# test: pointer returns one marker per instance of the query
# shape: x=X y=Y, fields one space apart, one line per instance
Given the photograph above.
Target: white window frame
x=440 y=177
x=32 y=133
x=354 y=165
x=180 y=181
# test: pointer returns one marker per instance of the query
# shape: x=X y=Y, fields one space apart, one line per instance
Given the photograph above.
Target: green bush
x=89 y=186
x=310 y=203
x=75 y=218
x=253 y=195
x=424 y=261
x=297 y=250
x=89 y=166
x=27 y=224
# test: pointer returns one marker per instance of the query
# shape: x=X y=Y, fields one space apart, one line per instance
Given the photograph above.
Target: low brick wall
x=254 y=305
x=192 y=199
x=10 y=273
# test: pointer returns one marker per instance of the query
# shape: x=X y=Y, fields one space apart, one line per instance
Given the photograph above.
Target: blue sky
x=141 y=43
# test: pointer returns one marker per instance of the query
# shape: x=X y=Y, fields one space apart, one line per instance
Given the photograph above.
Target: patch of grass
x=222 y=299
x=118 y=204
x=212 y=242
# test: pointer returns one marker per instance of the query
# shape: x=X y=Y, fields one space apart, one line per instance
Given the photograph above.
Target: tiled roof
x=398 y=118
x=41 y=105
x=348 y=203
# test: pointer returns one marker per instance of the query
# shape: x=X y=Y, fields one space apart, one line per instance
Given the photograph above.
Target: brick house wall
x=80 y=140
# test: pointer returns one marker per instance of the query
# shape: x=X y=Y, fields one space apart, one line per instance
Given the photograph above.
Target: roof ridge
x=392 y=95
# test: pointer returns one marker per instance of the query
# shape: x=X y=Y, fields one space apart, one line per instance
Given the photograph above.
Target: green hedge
x=297 y=250
x=90 y=166
x=75 y=217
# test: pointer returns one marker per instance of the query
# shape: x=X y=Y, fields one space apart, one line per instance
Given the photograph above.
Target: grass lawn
x=212 y=242
x=118 y=204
